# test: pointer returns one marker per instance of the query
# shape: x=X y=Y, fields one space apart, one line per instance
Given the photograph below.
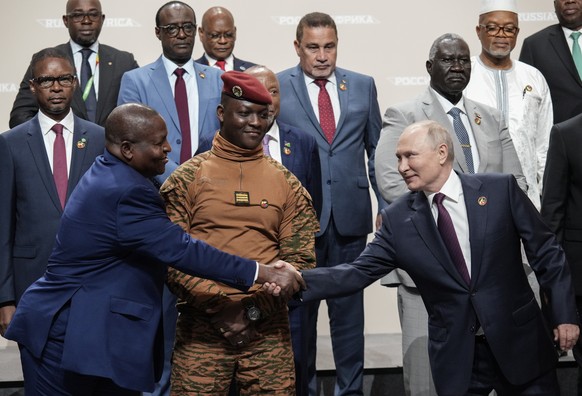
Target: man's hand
x=6 y=314
x=566 y=335
x=230 y=321
x=280 y=278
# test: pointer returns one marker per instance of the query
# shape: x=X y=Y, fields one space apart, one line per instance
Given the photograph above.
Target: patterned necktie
x=326 y=116
x=181 y=99
x=60 y=164
x=449 y=236
x=576 y=53
x=221 y=64
x=266 y=150
x=463 y=137
x=87 y=85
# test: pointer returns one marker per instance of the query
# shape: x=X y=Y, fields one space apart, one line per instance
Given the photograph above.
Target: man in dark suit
x=32 y=194
x=551 y=52
x=84 y=20
x=217 y=34
x=103 y=285
x=492 y=150
x=346 y=124
x=298 y=151
x=561 y=200
x=459 y=238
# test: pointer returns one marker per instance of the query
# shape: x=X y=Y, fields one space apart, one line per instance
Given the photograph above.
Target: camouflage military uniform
x=274 y=219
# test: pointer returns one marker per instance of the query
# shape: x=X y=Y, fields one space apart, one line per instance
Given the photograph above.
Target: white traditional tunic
x=523 y=97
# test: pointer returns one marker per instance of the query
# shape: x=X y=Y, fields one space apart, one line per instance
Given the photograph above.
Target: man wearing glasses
x=99 y=67
x=218 y=35
x=41 y=162
x=186 y=94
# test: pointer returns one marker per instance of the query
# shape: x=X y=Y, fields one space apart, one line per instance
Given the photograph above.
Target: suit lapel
x=288 y=145
x=423 y=220
x=476 y=204
x=300 y=89
x=39 y=155
x=106 y=67
x=203 y=97
x=558 y=41
x=162 y=86
x=343 y=94
x=433 y=110
x=478 y=129
x=78 y=153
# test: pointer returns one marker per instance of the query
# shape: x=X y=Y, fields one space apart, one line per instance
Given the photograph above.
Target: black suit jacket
x=239 y=64
x=500 y=216
x=562 y=194
x=112 y=64
x=548 y=51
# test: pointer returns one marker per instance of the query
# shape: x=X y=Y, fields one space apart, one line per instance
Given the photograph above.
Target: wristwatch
x=253 y=313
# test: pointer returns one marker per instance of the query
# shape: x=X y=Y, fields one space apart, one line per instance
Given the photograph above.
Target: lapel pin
x=287 y=150
x=82 y=143
x=110 y=63
x=264 y=204
x=527 y=88
x=477 y=118
x=202 y=75
x=343 y=85
x=482 y=201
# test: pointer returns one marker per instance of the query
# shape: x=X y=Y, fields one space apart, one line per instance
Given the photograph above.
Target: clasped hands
x=280 y=279
x=230 y=321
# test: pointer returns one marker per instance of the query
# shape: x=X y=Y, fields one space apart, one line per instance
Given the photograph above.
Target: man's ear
x=126 y=150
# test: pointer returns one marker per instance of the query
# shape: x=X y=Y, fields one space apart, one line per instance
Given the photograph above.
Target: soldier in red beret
x=237 y=199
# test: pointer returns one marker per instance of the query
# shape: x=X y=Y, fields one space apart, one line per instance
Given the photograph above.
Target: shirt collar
x=77 y=48
x=310 y=80
x=447 y=106
x=211 y=61
x=46 y=123
x=274 y=132
x=452 y=189
x=171 y=67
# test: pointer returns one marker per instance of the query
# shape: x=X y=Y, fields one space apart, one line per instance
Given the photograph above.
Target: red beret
x=243 y=86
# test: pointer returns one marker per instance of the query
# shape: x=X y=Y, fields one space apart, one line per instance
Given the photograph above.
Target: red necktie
x=181 y=99
x=60 y=164
x=449 y=236
x=326 y=117
x=221 y=64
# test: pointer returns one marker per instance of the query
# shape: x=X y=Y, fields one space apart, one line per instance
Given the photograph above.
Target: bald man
x=217 y=34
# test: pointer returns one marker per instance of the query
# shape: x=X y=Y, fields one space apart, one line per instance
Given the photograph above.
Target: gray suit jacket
x=29 y=204
x=496 y=151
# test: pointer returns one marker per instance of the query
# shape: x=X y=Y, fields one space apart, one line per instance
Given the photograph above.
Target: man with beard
x=99 y=67
x=481 y=143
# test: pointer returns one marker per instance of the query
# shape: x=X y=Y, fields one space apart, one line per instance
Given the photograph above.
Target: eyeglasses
x=217 y=36
x=93 y=16
x=494 y=30
x=173 y=30
x=46 y=82
x=465 y=62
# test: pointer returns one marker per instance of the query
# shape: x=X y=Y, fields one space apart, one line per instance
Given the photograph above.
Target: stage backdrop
x=385 y=39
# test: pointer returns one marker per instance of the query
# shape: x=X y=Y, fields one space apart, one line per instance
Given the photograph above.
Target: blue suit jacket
x=109 y=263
x=345 y=185
x=150 y=85
x=300 y=154
x=29 y=203
x=239 y=64
x=499 y=296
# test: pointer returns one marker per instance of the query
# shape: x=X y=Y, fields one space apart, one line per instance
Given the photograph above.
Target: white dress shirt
x=331 y=88
x=49 y=136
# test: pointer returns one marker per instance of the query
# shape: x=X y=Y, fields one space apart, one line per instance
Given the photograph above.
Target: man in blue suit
x=158 y=85
x=217 y=34
x=30 y=204
x=459 y=238
x=93 y=323
x=154 y=84
x=340 y=109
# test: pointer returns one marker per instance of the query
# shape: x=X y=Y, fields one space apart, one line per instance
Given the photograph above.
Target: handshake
x=280 y=279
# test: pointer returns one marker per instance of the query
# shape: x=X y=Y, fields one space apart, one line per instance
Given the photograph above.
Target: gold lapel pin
x=82 y=143
x=477 y=118
x=482 y=201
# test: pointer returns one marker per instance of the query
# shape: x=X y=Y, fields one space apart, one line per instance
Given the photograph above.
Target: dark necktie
x=576 y=52
x=463 y=137
x=326 y=116
x=181 y=99
x=60 y=163
x=221 y=64
x=87 y=85
x=449 y=236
